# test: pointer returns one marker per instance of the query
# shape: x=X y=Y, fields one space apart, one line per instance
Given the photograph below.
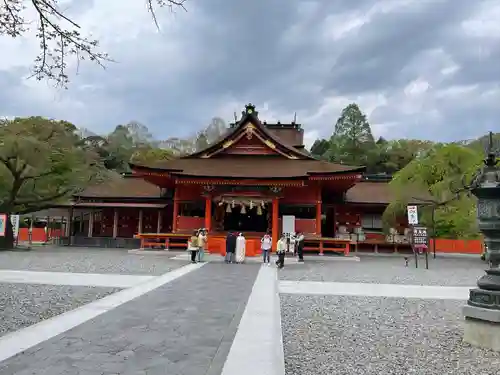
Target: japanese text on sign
x=420 y=236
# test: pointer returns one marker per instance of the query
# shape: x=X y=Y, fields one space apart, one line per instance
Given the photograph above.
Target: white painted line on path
x=19 y=341
x=69 y=278
x=375 y=290
x=258 y=344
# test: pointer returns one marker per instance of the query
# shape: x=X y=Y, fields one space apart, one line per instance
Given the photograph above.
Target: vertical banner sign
x=412 y=212
x=14 y=219
x=3 y=224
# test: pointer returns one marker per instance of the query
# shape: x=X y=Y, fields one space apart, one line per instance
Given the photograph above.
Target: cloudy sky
x=418 y=68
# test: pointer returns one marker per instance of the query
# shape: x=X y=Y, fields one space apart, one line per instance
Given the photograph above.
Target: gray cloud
x=418 y=68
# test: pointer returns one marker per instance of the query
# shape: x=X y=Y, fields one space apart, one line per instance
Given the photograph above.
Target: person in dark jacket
x=300 y=246
x=230 y=247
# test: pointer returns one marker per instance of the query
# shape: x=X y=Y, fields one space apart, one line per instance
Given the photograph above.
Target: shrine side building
x=254 y=180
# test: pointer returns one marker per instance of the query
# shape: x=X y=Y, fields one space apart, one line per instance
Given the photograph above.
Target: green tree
x=352 y=138
x=320 y=148
x=179 y=146
x=139 y=135
x=150 y=156
x=391 y=156
x=440 y=176
x=60 y=38
x=201 y=141
x=481 y=144
x=215 y=130
x=117 y=148
x=41 y=163
x=185 y=146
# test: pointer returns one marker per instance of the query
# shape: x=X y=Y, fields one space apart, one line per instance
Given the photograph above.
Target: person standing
x=300 y=246
x=265 y=245
x=295 y=243
x=230 y=247
x=240 y=248
x=193 y=246
x=202 y=244
x=281 y=247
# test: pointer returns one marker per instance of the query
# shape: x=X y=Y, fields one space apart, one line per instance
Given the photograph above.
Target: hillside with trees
x=437 y=170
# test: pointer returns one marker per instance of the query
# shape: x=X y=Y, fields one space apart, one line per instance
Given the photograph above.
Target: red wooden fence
x=38 y=234
x=458 y=246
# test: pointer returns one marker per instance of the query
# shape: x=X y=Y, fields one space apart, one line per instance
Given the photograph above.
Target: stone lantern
x=482 y=312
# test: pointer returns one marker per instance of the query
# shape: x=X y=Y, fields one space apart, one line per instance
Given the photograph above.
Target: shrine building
x=254 y=179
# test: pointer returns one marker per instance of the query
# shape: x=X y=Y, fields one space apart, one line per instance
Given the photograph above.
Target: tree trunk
x=7 y=241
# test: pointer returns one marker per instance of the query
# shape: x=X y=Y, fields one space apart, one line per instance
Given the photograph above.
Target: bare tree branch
x=59 y=36
x=163 y=3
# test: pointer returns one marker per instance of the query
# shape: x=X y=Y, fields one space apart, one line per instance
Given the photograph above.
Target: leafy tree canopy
x=439 y=178
x=391 y=156
x=352 y=137
x=147 y=156
x=320 y=148
x=42 y=162
x=184 y=146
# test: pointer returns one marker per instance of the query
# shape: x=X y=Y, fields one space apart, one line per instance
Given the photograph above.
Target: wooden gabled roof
x=121 y=187
x=280 y=160
x=250 y=125
x=377 y=192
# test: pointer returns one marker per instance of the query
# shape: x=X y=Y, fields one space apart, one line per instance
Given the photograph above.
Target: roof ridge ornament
x=250 y=110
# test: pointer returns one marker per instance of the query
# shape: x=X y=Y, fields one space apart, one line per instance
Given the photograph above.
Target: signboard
x=420 y=241
x=412 y=215
x=288 y=224
x=420 y=238
x=14 y=219
x=3 y=224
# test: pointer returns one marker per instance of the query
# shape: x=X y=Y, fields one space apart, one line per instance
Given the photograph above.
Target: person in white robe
x=240 y=248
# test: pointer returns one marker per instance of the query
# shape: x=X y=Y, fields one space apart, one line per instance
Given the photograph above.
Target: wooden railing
x=322 y=244
x=163 y=240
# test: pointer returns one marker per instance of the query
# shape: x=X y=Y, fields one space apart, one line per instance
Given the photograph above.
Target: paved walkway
x=185 y=327
x=70 y=278
x=374 y=290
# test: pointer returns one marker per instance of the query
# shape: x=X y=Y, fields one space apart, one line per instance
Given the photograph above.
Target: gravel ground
x=22 y=305
x=88 y=260
x=352 y=335
x=387 y=270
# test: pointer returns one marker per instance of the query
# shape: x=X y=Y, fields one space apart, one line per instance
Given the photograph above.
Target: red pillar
x=208 y=212
x=175 y=212
x=318 y=212
x=275 y=216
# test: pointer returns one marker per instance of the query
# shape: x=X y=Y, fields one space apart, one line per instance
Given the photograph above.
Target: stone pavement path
x=185 y=327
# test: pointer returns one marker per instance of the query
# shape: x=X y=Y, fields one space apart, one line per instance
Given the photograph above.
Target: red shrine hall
x=251 y=180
